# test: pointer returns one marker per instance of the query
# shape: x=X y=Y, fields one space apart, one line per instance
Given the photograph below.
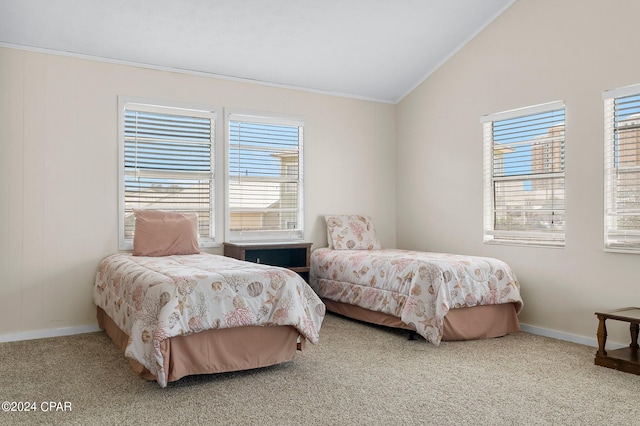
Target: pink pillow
x=160 y=233
x=351 y=232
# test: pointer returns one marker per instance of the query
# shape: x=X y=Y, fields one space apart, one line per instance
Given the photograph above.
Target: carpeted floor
x=357 y=375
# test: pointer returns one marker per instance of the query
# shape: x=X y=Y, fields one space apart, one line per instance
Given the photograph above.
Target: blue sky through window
x=514 y=137
x=626 y=116
x=627 y=106
x=255 y=148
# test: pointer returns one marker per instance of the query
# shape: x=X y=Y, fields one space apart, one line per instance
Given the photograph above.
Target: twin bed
x=175 y=311
x=440 y=296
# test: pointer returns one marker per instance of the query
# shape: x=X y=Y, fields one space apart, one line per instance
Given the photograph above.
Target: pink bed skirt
x=477 y=322
x=214 y=351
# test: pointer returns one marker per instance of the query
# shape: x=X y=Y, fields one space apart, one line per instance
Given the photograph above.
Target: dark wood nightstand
x=291 y=255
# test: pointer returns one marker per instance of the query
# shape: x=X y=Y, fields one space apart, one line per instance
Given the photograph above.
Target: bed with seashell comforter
x=440 y=296
x=181 y=315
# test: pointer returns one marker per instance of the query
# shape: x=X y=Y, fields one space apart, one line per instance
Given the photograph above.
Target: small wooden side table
x=624 y=359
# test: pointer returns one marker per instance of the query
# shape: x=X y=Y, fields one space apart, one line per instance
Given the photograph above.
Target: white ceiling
x=369 y=49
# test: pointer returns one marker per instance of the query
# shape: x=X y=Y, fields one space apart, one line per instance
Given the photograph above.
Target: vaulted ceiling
x=367 y=49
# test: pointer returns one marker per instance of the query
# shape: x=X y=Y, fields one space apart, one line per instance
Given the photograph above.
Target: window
x=264 y=183
x=622 y=169
x=166 y=163
x=524 y=176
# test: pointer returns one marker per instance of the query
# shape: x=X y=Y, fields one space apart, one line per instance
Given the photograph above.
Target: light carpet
x=358 y=374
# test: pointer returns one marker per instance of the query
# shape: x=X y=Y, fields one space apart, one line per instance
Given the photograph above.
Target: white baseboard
x=567 y=337
x=42 y=334
x=67 y=331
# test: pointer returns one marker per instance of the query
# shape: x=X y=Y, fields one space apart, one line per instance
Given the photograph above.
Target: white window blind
x=167 y=164
x=524 y=176
x=265 y=178
x=622 y=169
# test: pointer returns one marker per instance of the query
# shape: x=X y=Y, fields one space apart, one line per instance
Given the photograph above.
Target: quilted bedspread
x=155 y=298
x=417 y=287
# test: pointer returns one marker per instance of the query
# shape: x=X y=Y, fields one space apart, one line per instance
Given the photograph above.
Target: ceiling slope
x=367 y=49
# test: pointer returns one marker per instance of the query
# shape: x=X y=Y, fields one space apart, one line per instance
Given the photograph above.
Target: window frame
x=614 y=239
x=529 y=238
x=216 y=188
x=297 y=234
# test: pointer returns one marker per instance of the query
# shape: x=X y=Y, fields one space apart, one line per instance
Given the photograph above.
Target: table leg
x=634 y=335
x=602 y=336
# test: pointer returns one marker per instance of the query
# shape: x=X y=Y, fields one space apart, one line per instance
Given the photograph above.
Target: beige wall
x=538 y=51
x=58 y=168
x=58 y=172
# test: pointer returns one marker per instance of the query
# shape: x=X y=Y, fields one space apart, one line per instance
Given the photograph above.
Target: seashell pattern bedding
x=155 y=298
x=418 y=287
